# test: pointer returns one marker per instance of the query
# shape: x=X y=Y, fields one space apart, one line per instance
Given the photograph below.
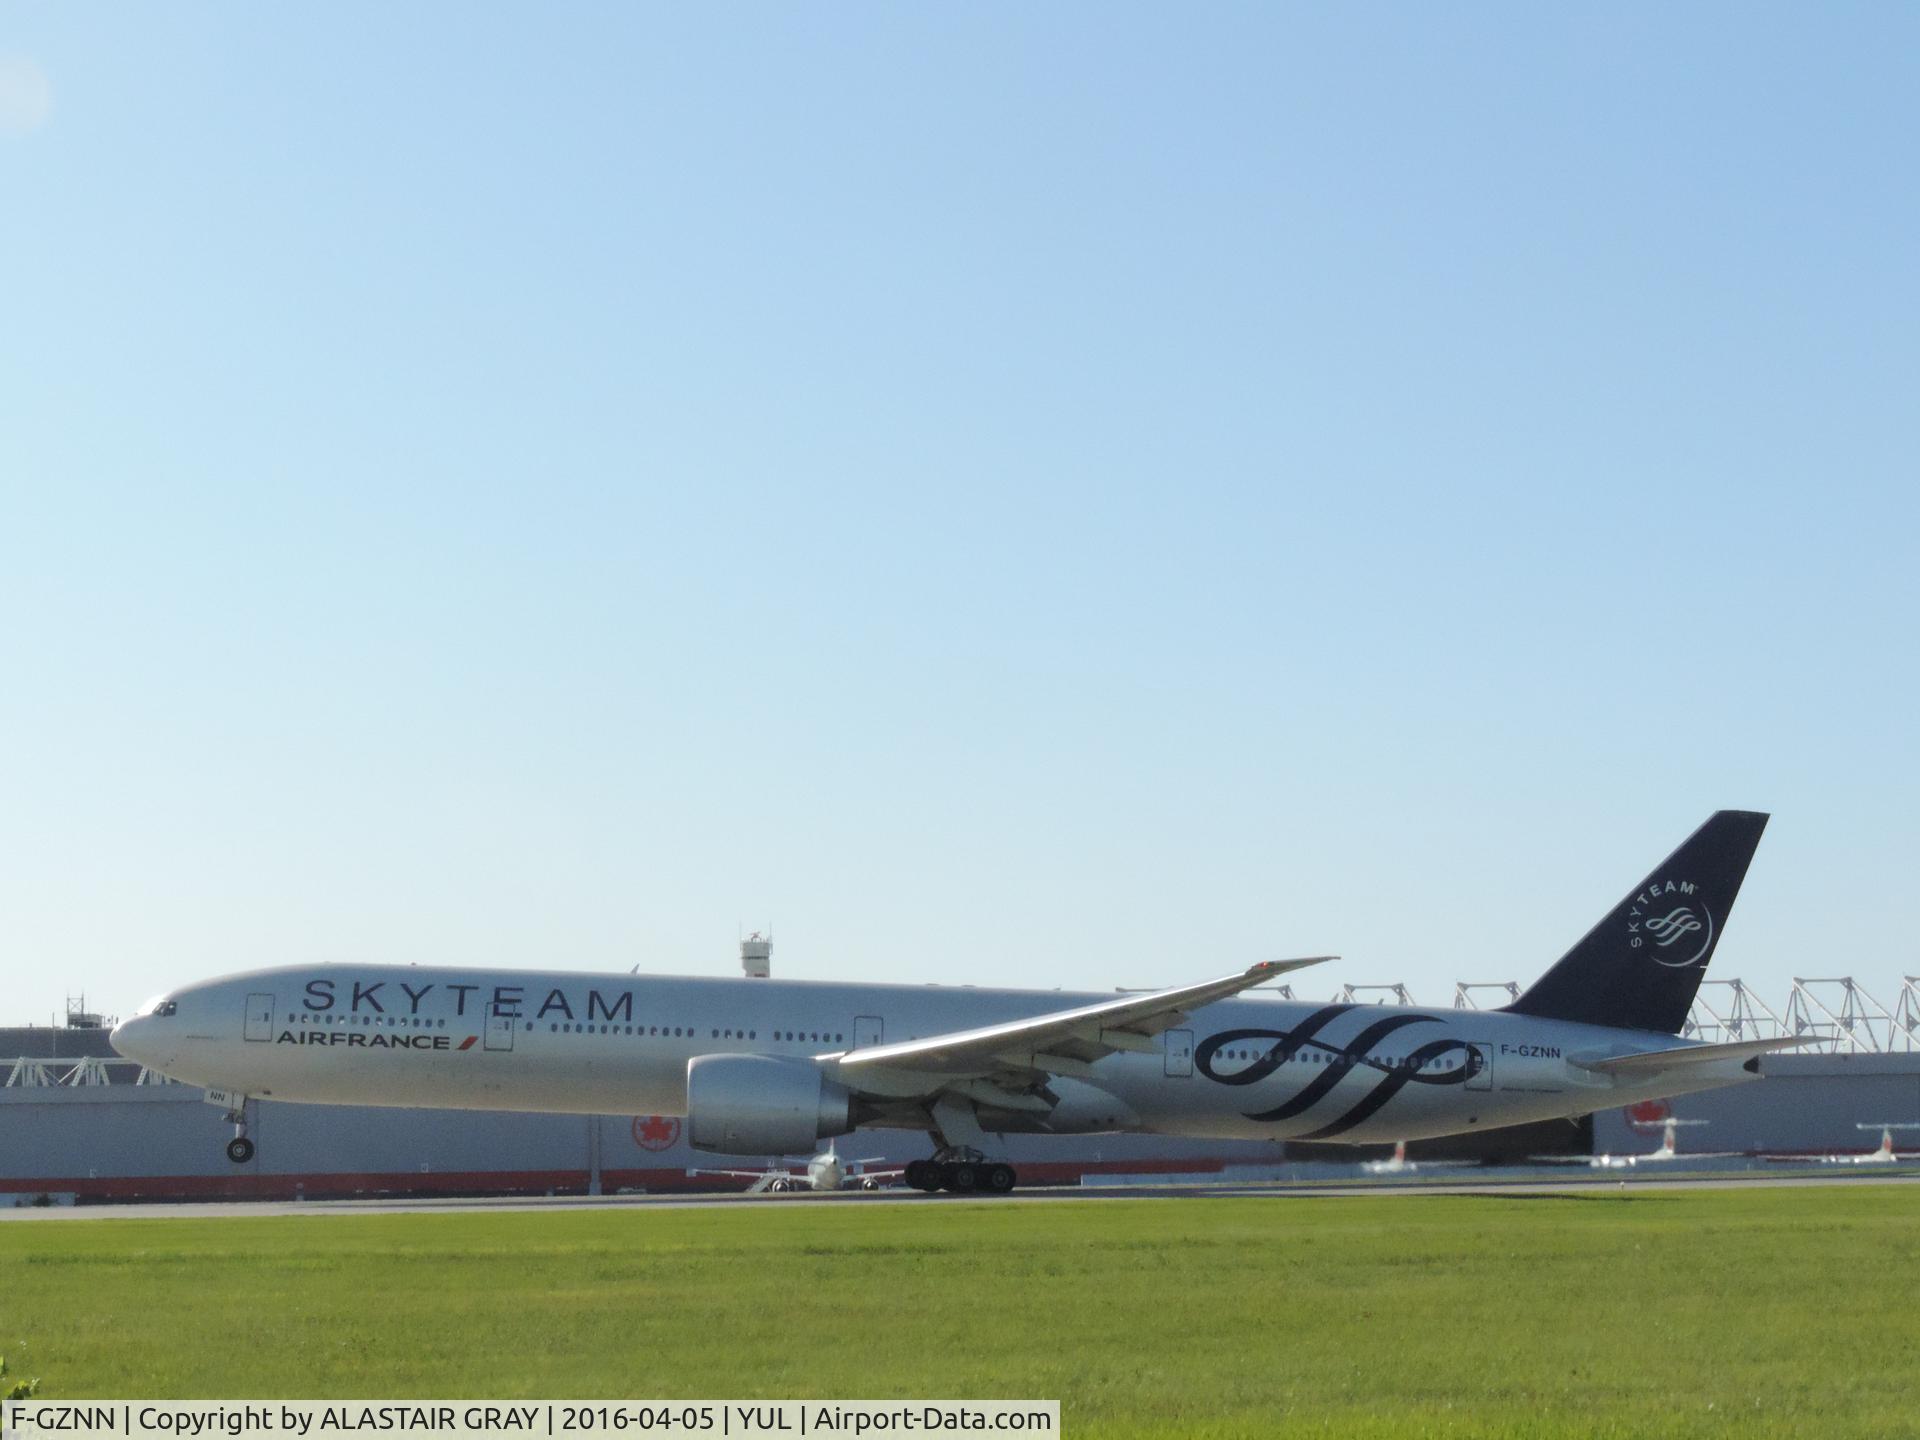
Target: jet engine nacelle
x=762 y=1105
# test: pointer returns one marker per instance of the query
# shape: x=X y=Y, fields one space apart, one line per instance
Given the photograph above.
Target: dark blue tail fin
x=1639 y=968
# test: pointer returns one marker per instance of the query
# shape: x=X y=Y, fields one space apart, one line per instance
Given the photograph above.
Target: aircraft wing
x=1648 y=1061
x=1066 y=1042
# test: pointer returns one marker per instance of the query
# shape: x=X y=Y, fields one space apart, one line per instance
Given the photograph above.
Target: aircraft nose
x=134 y=1039
x=123 y=1037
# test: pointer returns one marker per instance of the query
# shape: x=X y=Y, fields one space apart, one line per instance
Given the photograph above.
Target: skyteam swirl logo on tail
x=1671 y=920
x=1676 y=924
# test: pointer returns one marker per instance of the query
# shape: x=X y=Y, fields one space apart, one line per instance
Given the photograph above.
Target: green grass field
x=1731 y=1312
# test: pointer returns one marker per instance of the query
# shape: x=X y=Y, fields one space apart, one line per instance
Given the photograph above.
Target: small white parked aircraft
x=824 y=1172
x=1885 y=1154
x=1668 y=1150
x=1395 y=1164
x=1398 y=1163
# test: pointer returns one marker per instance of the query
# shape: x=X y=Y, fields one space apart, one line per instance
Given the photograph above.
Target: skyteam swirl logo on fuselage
x=1330 y=1063
x=1670 y=919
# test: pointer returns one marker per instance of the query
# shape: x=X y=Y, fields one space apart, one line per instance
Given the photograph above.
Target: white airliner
x=1395 y=1164
x=770 y=1067
x=1882 y=1154
x=1885 y=1154
x=1669 y=1150
x=1398 y=1163
x=824 y=1172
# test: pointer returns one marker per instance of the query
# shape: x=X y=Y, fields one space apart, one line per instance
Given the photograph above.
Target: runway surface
x=1569 y=1185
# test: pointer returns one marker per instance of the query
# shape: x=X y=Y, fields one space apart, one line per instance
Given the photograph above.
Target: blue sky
x=1070 y=495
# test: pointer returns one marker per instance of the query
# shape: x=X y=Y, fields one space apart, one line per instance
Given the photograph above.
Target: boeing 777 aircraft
x=769 y=1067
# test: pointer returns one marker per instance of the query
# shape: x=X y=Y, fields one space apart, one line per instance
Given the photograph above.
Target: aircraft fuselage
x=584 y=1043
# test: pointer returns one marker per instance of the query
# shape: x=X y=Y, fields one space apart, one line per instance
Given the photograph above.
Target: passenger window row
x=814 y=1037
x=1319 y=1057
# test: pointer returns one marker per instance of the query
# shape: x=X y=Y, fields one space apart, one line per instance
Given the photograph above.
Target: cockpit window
x=159 y=1005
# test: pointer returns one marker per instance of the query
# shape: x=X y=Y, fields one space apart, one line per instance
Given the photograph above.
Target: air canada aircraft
x=1669 y=1150
x=1884 y=1155
x=1398 y=1163
x=825 y=1171
x=771 y=1067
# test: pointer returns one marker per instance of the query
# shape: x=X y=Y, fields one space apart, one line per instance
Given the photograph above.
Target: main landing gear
x=240 y=1148
x=961 y=1170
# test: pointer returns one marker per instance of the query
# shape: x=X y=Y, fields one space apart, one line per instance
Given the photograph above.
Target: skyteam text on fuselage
x=770 y=1067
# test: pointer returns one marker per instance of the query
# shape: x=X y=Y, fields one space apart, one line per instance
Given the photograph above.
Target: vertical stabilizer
x=1639 y=968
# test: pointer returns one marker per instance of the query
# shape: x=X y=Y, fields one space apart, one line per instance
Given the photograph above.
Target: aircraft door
x=259 y=1017
x=1480 y=1065
x=499 y=1032
x=867 y=1030
x=1179 y=1045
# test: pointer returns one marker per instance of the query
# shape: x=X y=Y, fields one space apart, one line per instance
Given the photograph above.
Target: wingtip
x=1280 y=967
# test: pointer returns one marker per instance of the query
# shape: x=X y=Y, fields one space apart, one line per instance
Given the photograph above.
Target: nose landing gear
x=240 y=1148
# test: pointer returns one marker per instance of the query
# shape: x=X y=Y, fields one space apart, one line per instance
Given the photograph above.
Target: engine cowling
x=762 y=1105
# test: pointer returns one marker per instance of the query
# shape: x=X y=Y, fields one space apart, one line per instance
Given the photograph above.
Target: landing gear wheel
x=922 y=1175
x=959 y=1178
x=239 y=1150
x=997 y=1180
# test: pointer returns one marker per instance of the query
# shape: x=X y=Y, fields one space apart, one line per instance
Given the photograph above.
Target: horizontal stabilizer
x=1645 y=1062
